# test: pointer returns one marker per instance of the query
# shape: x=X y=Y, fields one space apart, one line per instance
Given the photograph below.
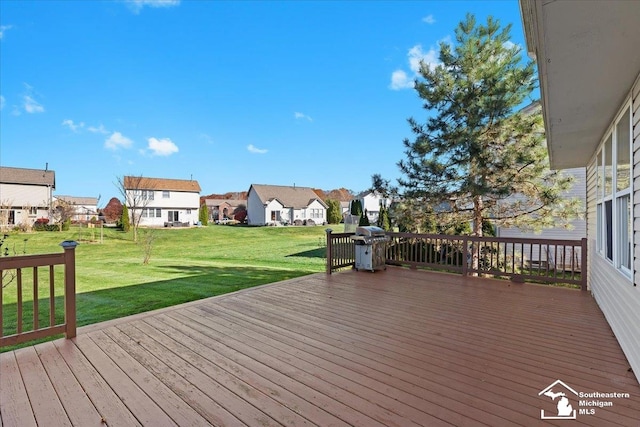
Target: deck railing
x=12 y=278
x=519 y=259
x=341 y=251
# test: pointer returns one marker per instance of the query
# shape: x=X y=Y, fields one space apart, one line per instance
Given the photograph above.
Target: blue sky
x=308 y=93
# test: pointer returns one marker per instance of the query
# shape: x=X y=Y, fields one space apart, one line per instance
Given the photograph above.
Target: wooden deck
x=398 y=347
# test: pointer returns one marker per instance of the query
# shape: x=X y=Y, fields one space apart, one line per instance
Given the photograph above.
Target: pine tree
x=480 y=155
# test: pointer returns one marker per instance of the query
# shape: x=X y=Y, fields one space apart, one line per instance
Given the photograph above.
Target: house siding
x=618 y=298
x=255 y=209
x=186 y=203
x=578 y=228
x=22 y=195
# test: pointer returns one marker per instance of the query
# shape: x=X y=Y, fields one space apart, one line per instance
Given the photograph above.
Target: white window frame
x=619 y=199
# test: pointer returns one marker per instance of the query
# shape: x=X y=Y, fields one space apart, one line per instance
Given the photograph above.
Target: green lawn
x=185 y=265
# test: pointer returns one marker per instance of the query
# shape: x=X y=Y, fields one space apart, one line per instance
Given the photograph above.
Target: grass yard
x=185 y=265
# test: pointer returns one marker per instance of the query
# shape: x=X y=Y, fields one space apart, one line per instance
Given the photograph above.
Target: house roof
x=218 y=202
x=87 y=201
x=27 y=176
x=145 y=183
x=588 y=59
x=293 y=197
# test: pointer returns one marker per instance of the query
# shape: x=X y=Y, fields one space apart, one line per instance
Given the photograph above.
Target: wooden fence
x=519 y=259
x=12 y=271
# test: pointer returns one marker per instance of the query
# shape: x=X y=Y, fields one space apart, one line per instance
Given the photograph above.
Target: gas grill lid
x=370 y=231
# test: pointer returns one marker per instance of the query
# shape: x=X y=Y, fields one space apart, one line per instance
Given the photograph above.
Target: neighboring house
x=25 y=195
x=588 y=58
x=85 y=208
x=578 y=228
x=345 y=206
x=222 y=208
x=276 y=204
x=371 y=201
x=162 y=202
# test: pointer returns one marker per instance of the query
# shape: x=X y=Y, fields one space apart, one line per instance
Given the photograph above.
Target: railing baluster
x=36 y=310
x=19 y=296
x=52 y=298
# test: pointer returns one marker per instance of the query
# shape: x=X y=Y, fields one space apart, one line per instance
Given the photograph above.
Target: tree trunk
x=477 y=231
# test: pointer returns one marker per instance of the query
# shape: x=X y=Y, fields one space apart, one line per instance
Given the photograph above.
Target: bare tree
x=62 y=212
x=137 y=194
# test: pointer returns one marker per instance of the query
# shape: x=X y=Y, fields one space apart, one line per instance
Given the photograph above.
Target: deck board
x=399 y=347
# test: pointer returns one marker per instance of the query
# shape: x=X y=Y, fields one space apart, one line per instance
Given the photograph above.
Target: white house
x=276 y=204
x=25 y=195
x=162 y=202
x=588 y=56
x=85 y=208
x=371 y=201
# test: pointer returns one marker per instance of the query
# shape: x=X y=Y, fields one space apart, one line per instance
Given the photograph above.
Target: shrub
x=203 y=215
x=125 y=225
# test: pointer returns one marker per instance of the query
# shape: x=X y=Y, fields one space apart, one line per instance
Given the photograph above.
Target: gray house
x=280 y=205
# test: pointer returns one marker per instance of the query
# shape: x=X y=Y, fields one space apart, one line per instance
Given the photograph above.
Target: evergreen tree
x=125 y=224
x=334 y=213
x=356 y=207
x=364 y=219
x=383 y=218
x=203 y=215
x=481 y=155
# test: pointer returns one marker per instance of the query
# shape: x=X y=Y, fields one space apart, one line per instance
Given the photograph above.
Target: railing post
x=465 y=260
x=69 y=287
x=583 y=264
x=329 y=251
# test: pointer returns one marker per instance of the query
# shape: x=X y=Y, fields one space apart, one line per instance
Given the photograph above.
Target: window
x=33 y=211
x=613 y=195
x=188 y=211
x=158 y=213
x=165 y=194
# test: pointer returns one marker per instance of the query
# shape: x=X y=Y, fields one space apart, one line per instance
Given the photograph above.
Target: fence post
x=329 y=251
x=583 y=264
x=465 y=260
x=69 y=287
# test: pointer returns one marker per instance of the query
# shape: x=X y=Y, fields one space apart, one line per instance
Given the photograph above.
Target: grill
x=371 y=248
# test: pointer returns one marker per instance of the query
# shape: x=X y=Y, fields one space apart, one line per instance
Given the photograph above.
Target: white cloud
x=253 y=149
x=162 y=147
x=400 y=80
x=4 y=28
x=415 y=57
x=99 y=129
x=31 y=105
x=429 y=19
x=137 y=5
x=116 y=141
x=71 y=125
x=299 y=116
x=1 y=102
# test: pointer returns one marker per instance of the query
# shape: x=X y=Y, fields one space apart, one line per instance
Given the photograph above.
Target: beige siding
x=617 y=297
